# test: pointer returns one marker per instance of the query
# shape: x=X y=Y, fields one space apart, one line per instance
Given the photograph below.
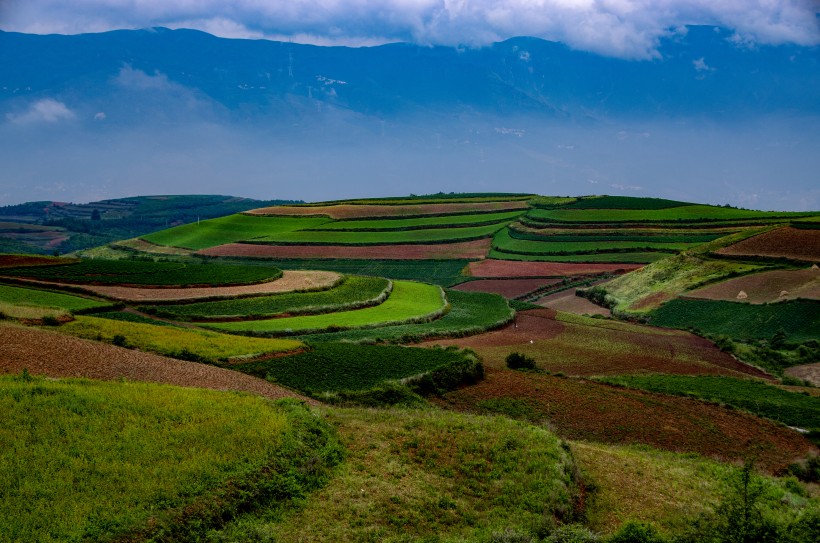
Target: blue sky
x=620 y=28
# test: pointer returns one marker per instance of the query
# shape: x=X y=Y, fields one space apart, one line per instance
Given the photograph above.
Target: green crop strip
x=148 y=273
x=458 y=220
x=619 y=257
x=408 y=301
x=196 y=345
x=354 y=291
x=624 y=202
x=682 y=213
x=433 y=235
x=213 y=232
x=756 y=397
x=505 y=242
x=41 y=298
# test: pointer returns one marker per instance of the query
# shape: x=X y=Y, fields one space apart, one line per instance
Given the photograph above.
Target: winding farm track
x=43 y=352
x=289 y=282
x=465 y=249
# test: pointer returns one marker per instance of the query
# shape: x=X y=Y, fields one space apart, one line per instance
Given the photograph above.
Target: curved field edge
x=356 y=292
x=430 y=475
x=408 y=302
x=137 y=461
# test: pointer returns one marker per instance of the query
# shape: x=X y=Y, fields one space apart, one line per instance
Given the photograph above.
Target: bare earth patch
x=807 y=372
x=148 y=247
x=567 y=301
x=43 y=352
x=289 y=282
x=761 y=288
x=786 y=242
x=348 y=211
x=466 y=249
x=580 y=409
x=509 y=268
x=13 y=261
x=509 y=288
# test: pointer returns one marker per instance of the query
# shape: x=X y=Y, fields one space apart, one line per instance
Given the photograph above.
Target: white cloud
x=621 y=187
x=701 y=66
x=46 y=110
x=624 y=28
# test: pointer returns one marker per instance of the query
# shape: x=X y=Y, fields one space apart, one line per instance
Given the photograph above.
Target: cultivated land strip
x=354 y=211
x=787 y=242
x=508 y=268
x=764 y=287
x=43 y=352
x=475 y=249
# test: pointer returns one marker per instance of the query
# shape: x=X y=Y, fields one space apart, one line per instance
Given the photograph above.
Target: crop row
x=408 y=302
x=505 y=242
x=43 y=298
x=433 y=235
x=621 y=257
x=682 y=213
x=470 y=313
x=148 y=273
x=185 y=344
x=353 y=292
x=420 y=223
x=633 y=235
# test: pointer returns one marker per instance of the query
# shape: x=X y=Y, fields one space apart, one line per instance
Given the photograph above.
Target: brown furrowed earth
x=786 y=242
x=765 y=287
x=585 y=347
x=13 y=261
x=348 y=211
x=509 y=268
x=465 y=249
x=567 y=301
x=807 y=372
x=509 y=288
x=43 y=352
x=578 y=409
x=143 y=246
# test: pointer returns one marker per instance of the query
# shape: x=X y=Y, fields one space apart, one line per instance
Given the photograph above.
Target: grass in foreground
x=408 y=301
x=85 y=460
x=428 y=476
x=185 y=344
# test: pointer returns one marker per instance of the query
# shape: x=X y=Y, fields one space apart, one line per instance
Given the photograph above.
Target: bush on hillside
x=518 y=361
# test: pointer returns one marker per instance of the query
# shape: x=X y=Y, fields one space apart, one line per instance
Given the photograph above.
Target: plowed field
x=347 y=211
x=508 y=268
x=583 y=410
x=466 y=249
x=786 y=242
x=567 y=301
x=13 y=261
x=49 y=353
x=509 y=288
x=761 y=288
x=808 y=372
x=584 y=346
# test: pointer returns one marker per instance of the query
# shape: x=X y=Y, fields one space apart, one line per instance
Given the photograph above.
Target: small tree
x=518 y=361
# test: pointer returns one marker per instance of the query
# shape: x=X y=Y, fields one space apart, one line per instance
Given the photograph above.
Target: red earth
x=466 y=249
x=509 y=288
x=510 y=268
x=349 y=211
x=786 y=242
x=12 y=261
x=764 y=287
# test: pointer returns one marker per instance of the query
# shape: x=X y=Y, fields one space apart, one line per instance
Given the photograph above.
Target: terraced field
x=452 y=221
x=765 y=287
x=408 y=302
x=431 y=235
x=384 y=209
x=690 y=213
x=450 y=251
x=503 y=268
x=25 y=297
x=510 y=241
x=788 y=242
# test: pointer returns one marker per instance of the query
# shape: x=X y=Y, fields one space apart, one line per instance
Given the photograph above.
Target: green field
x=455 y=220
x=182 y=343
x=148 y=273
x=682 y=213
x=510 y=242
x=354 y=291
x=470 y=313
x=432 y=235
x=624 y=234
x=623 y=202
x=408 y=301
x=756 y=397
x=332 y=367
x=94 y=461
x=799 y=319
x=625 y=257
x=42 y=298
x=213 y=232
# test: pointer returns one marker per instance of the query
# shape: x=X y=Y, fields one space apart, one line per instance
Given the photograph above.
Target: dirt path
x=43 y=352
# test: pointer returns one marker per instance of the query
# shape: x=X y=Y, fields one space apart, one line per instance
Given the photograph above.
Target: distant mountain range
x=165 y=73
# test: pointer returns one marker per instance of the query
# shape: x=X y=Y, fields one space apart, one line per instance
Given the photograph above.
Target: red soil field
x=13 y=261
x=509 y=288
x=510 y=268
x=348 y=211
x=586 y=347
x=578 y=409
x=807 y=372
x=765 y=287
x=567 y=301
x=44 y=352
x=466 y=249
x=786 y=242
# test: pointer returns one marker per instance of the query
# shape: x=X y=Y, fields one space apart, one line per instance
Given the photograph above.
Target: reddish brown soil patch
x=653 y=300
x=465 y=249
x=807 y=372
x=583 y=410
x=509 y=288
x=49 y=353
x=13 y=261
x=599 y=347
x=567 y=301
x=148 y=247
x=786 y=242
x=511 y=268
x=347 y=211
x=765 y=287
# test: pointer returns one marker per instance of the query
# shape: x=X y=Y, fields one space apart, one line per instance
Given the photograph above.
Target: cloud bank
x=620 y=28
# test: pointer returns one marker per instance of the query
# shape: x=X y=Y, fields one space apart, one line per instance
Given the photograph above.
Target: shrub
x=119 y=340
x=572 y=533
x=518 y=361
x=50 y=320
x=636 y=532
